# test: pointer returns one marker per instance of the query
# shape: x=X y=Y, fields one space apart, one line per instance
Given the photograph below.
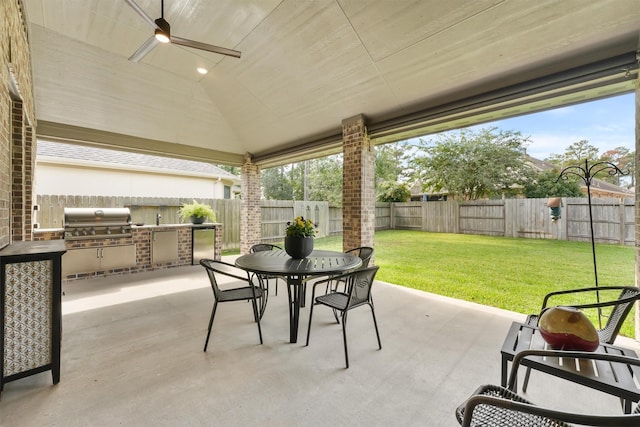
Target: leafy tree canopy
x=392 y=162
x=547 y=184
x=474 y=164
x=391 y=191
x=576 y=154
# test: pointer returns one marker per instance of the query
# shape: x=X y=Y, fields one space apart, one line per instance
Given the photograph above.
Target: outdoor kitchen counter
x=149 y=247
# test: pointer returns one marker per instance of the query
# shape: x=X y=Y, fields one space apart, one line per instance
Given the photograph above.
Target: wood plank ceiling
x=305 y=66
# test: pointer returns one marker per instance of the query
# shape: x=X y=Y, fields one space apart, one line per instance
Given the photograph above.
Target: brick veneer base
x=141 y=237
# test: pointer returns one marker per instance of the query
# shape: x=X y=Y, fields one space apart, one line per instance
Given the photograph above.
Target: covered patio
x=316 y=78
x=133 y=356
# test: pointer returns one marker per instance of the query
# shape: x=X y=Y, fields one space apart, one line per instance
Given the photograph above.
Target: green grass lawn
x=509 y=273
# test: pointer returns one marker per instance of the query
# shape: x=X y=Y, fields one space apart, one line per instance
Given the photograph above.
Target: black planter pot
x=298 y=247
x=197 y=220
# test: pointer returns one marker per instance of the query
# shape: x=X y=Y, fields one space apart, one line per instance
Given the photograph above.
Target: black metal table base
x=296 y=300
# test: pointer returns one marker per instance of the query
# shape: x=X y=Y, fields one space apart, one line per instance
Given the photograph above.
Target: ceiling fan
x=162 y=34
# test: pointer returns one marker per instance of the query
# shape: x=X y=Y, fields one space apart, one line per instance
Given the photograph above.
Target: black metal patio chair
x=365 y=253
x=616 y=310
x=358 y=294
x=248 y=291
x=495 y=406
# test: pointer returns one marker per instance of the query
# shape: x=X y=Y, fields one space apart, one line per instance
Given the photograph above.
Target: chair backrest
x=364 y=253
x=359 y=283
x=261 y=247
x=618 y=314
x=214 y=267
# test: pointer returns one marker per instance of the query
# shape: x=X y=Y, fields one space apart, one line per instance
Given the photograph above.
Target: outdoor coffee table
x=296 y=272
x=613 y=378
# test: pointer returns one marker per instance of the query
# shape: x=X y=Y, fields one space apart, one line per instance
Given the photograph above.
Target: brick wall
x=17 y=119
x=142 y=238
x=358 y=193
x=250 y=216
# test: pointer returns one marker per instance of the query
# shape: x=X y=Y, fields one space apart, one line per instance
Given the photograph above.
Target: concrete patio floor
x=132 y=355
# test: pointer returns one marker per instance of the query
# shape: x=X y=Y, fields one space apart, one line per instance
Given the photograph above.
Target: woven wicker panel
x=28 y=316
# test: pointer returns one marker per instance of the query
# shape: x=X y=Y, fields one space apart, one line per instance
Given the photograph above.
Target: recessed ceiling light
x=202 y=70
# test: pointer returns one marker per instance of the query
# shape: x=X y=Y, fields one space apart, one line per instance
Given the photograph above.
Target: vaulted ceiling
x=308 y=64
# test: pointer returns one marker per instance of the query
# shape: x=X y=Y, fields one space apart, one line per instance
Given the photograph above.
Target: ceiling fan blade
x=203 y=46
x=141 y=12
x=144 y=49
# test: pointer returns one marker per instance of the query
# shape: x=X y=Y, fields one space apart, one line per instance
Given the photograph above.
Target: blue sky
x=606 y=124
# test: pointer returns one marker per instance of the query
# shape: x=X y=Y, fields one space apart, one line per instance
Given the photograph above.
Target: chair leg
x=344 y=337
x=310 y=317
x=213 y=313
x=525 y=383
x=255 y=314
x=335 y=314
x=375 y=324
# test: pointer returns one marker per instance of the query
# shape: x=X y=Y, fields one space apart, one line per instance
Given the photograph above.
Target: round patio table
x=296 y=272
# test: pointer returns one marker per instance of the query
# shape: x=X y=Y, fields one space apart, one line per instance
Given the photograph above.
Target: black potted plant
x=196 y=213
x=298 y=242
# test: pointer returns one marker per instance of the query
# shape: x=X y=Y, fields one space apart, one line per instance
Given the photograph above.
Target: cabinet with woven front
x=30 y=309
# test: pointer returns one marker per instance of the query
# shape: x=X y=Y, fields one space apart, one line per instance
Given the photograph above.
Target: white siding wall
x=61 y=179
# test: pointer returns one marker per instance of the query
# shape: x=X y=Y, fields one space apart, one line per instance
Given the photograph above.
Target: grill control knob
x=108 y=231
x=92 y=231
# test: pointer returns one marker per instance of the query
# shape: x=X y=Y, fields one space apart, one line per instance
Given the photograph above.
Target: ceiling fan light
x=161 y=36
x=163 y=31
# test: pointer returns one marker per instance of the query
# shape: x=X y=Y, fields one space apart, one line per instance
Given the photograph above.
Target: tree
x=392 y=162
x=575 y=154
x=325 y=180
x=547 y=184
x=231 y=169
x=578 y=152
x=624 y=159
x=474 y=164
x=393 y=192
x=276 y=184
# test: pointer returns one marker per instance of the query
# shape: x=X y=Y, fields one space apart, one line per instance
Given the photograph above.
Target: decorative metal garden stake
x=586 y=174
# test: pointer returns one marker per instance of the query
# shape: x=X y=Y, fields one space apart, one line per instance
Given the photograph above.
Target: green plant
x=199 y=210
x=301 y=227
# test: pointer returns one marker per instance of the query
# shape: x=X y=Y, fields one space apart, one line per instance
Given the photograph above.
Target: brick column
x=358 y=194
x=29 y=169
x=18 y=172
x=250 y=213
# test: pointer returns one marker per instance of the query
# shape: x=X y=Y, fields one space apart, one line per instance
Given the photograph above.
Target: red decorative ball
x=567 y=328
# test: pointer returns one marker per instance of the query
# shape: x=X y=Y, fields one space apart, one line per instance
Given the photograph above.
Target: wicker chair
x=618 y=309
x=263 y=247
x=246 y=292
x=496 y=406
x=358 y=294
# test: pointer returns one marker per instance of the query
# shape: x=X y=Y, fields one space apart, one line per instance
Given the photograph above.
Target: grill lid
x=94 y=217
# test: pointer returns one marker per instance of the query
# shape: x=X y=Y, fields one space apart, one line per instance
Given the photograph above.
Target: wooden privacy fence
x=613 y=219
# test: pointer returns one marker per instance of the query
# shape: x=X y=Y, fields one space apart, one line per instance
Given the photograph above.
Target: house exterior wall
x=17 y=119
x=96 y=180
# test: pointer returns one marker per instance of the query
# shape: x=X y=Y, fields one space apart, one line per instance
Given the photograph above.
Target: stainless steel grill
x=94 y=223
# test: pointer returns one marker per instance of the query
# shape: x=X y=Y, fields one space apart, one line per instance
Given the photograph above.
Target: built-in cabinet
x=87 y=260
x=164 y=246
x=30 y=309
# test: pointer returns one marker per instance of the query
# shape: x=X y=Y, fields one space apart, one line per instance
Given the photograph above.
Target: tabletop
x=318 y=263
